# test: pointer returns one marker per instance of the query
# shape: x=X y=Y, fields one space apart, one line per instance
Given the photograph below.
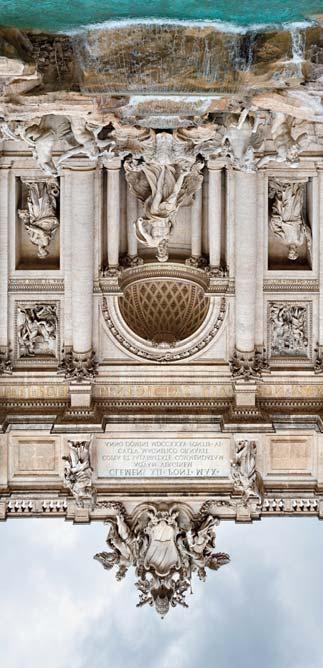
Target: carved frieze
x=39 y=213
x=37 y=330
x=165 y=545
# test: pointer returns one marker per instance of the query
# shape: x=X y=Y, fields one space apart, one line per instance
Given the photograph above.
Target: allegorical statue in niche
x=39 y=217
x=165 y=545
x=163 y=188
x=37 y=329
x=78 y=472
x=287 y=218
x=287 y=147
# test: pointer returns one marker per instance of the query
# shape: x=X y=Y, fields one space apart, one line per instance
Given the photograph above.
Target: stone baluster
x=113 y=214
x=82 y=181
x=214 y=214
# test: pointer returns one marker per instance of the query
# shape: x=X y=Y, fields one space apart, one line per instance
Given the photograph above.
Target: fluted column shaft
x=132 y=213
x=214 y=214
x=196 y=225
x=4 y=254
x=83 y=204
x=113 y=212
x=245 y=260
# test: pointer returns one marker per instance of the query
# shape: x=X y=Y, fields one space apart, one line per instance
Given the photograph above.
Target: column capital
x=217 y=164
x=112 y=163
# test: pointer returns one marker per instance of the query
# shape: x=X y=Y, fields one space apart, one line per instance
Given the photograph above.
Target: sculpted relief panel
x=37 y=330
x=289 y=329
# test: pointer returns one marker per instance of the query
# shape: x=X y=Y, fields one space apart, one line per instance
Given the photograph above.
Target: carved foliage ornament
x=78 y=369
x=39 y=216
x=165 y=545
x=78 y=473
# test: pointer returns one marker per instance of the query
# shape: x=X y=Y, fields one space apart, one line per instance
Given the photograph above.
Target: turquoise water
x=67 y=14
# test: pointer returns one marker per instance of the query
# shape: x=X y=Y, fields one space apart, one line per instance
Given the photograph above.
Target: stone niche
x=37 y=223
x=290 y=224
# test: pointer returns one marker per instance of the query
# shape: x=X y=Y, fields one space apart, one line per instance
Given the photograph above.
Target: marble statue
x=288 y=329
x=78 y=472
x=246 y=479
x=287 y=216
x=287 y=148
x=163 y=188
x=39 y=216
x=37 y=329
x=165 y=545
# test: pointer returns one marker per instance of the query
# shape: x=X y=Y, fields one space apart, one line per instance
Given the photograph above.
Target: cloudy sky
x=60 y=609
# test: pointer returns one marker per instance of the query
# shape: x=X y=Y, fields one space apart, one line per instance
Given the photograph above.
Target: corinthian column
x=4 y=253
x=214 y=214
x=113 y=213
x=82 y=211
x=245 y=262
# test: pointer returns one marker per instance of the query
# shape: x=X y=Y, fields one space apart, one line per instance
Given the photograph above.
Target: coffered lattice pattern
x=164 y=311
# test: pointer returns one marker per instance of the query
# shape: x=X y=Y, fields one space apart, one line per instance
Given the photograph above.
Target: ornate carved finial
x=166 y=545
x=78 y=473
x=78 y=369
x=246 y=479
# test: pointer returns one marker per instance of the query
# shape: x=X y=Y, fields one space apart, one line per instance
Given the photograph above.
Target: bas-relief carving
x=37 y=330
x=78 y=473
x=246 y=479
x=165 y=545
x=289 y=329
x=287 y=217
x=39 y=216
x=5 y=365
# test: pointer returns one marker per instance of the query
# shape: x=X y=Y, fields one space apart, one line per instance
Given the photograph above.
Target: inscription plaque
x=164 y=458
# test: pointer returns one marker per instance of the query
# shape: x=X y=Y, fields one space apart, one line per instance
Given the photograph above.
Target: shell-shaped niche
x=164 y=311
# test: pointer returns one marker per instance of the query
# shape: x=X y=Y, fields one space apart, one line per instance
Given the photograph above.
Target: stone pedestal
x=80 y=395
x=245 y=393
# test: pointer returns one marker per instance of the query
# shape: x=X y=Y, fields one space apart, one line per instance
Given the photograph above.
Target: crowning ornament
x=165 y=544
